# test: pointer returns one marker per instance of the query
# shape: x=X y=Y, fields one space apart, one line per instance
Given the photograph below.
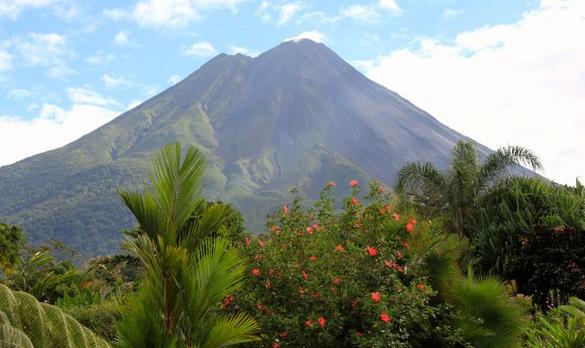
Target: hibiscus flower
x=256 y=272
x=372 y=251
x=322 y=321
x=376 y=297
x=385 y=318
x=353 y=183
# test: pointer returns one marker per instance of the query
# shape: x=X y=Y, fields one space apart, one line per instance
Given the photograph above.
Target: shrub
x=349 y=278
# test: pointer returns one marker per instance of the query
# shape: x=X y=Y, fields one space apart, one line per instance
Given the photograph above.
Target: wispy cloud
x=5 y=61
x=13 y=8
x=121 y=39
x=314 y=35
x=114 y=82
x=233 y=49
x=200 y=49
x=279 y=14
x=450 y=13
x=174 y=79
x=47 y=50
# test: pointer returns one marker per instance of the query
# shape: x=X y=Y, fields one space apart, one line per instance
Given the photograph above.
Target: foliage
x=562 y=327
x=551 y=260
x=11 y=242
x=456 y=191
x=344 y=279
x=507 y=214
x=186 y=272
x=25 y=322
x=487 y=316
x=100 y=317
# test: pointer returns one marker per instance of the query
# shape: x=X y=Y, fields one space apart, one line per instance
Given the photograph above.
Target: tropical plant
x=11 y=242
x=350 y=278
x=487 y=315
x=25 y=322
x=562 y=327
x=454 y=192
x=186 y=272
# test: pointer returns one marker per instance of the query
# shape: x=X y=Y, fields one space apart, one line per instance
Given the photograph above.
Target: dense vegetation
x=469 y=257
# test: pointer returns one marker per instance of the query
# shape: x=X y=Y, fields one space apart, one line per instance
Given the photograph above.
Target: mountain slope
x=297 y=115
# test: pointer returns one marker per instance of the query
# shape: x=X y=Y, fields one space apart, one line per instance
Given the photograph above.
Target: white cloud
x=200 y=49
x=175 y=13
x=121 y=39
x=17 y=93
x=390 y=5
x=114 y=13
x=233 y=49
x=449 y=13
x=360 y=12
x=114 y=82
x=133 y=104
x=5 y=61
x=313 y=35
x=54 y=126
x=520 y=84
x=47 y=50
x=174 y=79
x=13 y=8
x=100 y=58
x=278 y=13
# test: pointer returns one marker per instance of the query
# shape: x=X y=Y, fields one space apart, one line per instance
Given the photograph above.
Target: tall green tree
x=187 y=270
x=11 y=242
x=456 y=190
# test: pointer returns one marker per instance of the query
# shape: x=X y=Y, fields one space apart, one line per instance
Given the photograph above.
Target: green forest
x=476 y=255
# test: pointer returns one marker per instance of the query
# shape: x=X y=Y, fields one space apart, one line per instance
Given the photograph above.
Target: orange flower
x=308 y=323
x=305 y=275
x=276 y=230
x=389 y=264
x=248 y=241
x=256 y=272
x=376 y=297
x=316 y=227
x=261 y=243
x=355 y=201
x=385 y=318
x=372 y=251
x=340 y=248
x=310 y=230
x=396 y=217
x=331 y=184
x=285 y=209
x=313 y=258
x=322 y=321
x=353 y=183
x=411 y=220
x=409 y=227
x=421 y=286
x=336 y=280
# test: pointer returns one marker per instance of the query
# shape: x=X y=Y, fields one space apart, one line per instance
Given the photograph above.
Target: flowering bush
x=322 y=277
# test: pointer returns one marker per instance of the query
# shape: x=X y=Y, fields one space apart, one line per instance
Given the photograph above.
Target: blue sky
x=68 y=66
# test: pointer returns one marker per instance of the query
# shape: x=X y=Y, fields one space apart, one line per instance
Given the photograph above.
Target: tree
x=456 y=190
x=187 y=272
x=11 y=242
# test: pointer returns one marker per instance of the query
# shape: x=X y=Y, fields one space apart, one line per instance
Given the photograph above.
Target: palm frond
x=497 y=163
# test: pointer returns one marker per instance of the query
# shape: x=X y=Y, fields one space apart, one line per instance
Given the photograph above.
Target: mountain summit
x=296 y=116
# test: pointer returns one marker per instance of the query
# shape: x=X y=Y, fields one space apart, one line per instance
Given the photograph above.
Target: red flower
x=340 y=248
x=248 y=241
x=353 y=183
x=421 y=287
x=276 y=230
x=336 y=280
x=313 y=258
x=409 y=227
x=310 y=230
x=385 y=318
x=308 y=323
x=305 y=275
x=355 y=201
x=275 y=345
x=322 y=321
x=405 y=245
x=376 y=297
x=258 y=257
x=285 y=209
x=389 y=264
x=301 y=291
x=256 y=272
x=261 y=243
x=396 y=217
x=316 y=227
x=331 y=184
x=411 y=220
x=284 y=334
x=316 y=294
x=372 y=251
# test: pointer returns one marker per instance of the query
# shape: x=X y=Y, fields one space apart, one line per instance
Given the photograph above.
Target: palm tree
x=25 y=322
x=187 y=271
x=456 y=190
